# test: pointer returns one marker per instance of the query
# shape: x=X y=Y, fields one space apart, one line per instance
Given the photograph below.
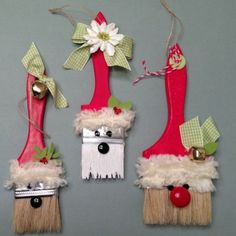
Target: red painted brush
x=177 y=188
x=102 y=91
x=37 y=174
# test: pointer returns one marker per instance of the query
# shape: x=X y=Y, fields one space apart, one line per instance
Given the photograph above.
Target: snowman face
x=103 y=153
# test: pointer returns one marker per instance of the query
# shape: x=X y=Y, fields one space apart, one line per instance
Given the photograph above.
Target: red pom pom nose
x=180 y=197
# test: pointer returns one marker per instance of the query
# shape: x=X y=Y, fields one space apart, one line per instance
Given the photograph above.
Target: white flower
x=103 y=36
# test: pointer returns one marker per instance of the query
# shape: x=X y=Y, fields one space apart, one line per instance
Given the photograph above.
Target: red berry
x=117 y=110
x=44 y=160
x=180 y=197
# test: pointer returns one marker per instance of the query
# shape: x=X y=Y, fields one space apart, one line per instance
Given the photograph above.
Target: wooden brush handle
x=36 y=110
x=175 y=84
x=101 y=73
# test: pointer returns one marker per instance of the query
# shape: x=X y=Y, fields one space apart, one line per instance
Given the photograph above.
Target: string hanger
x=60 y=10
x=31 y=121
x=172 y=39
x=63 y=11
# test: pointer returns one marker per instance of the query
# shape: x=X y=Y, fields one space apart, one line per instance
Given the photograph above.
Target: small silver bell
x=198 y=154
x=39 y=89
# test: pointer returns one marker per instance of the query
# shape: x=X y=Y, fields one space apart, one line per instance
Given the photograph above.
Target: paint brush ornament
x=104 y=122
x=37 y=174
x=176 y=172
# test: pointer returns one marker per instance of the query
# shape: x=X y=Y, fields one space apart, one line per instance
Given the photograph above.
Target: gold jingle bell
x=39 y=89
x=198 y=154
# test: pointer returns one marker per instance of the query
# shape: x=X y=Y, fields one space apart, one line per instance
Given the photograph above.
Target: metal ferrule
x=117 y=136
x=106 y=140
x=39 y=190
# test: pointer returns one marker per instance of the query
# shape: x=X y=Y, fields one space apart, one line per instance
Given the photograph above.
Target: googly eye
x=109 y=133
x=97 y=133
x=186 y=186
x=170 y=187
x=29 y=186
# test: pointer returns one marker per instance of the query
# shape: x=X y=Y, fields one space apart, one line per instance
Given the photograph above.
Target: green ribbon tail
x=191 y=133
x=32 y=62
x=126 y=45
x=78 y=58
x=80 y=31
x=209 y=130
x=118 y=59
x=194 y=135
x=59 y=99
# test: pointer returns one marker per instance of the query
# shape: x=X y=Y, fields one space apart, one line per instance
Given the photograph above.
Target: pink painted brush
x=37 y=174
x=36 y=206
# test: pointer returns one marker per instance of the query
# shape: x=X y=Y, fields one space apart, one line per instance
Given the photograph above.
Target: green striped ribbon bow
x=79 y=57
x=33 y=63
x=194 y=135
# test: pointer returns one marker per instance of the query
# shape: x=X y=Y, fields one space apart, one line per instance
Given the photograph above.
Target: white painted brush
x=103 y=155
x=103 y=124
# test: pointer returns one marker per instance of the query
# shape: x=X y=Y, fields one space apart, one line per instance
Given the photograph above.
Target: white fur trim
x=50 y=174
x=105 y=117
x=102 y=166
x=162 y=170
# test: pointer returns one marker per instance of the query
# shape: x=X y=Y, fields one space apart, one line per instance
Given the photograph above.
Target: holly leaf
x=37 y=149
x=52 y=148
x=210 y=148
x=43 y=153
x=50 y=151
x=36 y=156
x=126 y=105
x=56 y=155
x=113 y=102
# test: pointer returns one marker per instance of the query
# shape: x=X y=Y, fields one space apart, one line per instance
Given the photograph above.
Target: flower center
x=103 y=36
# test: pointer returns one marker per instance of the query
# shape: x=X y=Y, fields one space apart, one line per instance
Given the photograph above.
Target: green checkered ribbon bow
x=33 y=63
x=194 y=135
x=79 y=57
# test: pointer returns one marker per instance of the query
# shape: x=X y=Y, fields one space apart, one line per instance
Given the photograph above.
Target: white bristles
x=101 y=166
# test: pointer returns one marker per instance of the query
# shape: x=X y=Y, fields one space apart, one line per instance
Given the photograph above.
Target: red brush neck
x=101 y=74
x=176 y=84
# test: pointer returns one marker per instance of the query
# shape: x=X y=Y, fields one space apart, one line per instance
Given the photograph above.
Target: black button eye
x=109 y=133
x=36 y=202
x=97 y=133
x=170 y=187
x=186 y=186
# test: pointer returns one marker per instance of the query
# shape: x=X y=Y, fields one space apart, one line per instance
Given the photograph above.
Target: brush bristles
x=159 y=210
x=27 y=219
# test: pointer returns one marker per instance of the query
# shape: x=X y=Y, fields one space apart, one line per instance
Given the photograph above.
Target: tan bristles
x=27 y=219
x=159 y=210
